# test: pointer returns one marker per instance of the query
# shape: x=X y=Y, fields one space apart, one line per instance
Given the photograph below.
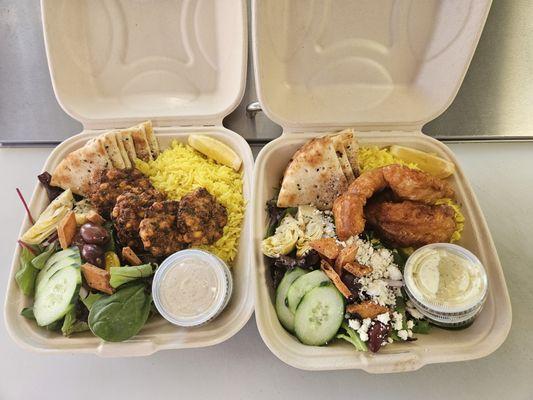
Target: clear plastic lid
x=444 y=279
x=191 y=287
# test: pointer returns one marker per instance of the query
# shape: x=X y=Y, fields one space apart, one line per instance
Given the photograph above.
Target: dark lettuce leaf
x=52 y=191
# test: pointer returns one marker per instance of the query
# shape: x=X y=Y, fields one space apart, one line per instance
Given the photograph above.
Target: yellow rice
x=373 y=157
x=180 y=169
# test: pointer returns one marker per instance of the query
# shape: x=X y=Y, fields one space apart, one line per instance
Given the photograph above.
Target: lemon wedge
x=427 y=162
x=215 y=149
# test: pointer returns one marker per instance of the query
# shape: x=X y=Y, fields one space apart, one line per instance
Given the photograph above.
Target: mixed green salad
x=85 y=286
x=369 y=311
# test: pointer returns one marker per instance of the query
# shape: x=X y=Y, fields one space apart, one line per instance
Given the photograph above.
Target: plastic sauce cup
x=191 y=287
x=446 y=283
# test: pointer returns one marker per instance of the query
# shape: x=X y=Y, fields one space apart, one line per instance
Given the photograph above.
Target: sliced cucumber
x=53 y=297
x=71 y=252
x=319 y=315
x=302 y=286
x=66 y=258
x=285 y=316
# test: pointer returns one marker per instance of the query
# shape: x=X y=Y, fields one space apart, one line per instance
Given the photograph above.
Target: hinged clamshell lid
x=388 y=64
x=177 y=62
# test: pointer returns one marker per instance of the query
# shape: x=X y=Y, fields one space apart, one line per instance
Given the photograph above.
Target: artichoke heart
x=284 y=239
x=312 y=227
x=47 y=222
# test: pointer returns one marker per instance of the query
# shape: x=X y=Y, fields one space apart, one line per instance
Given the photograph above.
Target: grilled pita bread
x=142 y=148
x=152 y=140
x=340 y=150
x=122 y=149
x=124 y=136
x=109 y=141
x=314 y=176
x=76 y=170
x=351 y=148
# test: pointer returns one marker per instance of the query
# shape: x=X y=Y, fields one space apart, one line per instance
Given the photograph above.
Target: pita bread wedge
x=313 y=177
x=142 y=148
x=109 y=141
x=76 y=170
x=122 y=149
x=351 y=147
x=124 y=136
x=150 y=136
x=338 y=144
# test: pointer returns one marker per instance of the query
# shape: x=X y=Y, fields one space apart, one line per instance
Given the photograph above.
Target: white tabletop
x=243 y=367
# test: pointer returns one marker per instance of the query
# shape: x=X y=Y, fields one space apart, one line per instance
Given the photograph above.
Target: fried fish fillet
x=411 y=224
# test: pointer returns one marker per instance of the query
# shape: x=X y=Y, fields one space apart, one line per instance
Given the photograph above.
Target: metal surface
x=495 y=100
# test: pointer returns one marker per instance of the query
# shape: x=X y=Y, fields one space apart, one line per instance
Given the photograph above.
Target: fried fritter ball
x=159 y=230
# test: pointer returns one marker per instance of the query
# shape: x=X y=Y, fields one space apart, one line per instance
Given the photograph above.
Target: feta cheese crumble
x=363 y=330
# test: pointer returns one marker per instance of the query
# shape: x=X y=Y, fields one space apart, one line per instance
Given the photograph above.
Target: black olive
x=93 y=254
x=94 y=234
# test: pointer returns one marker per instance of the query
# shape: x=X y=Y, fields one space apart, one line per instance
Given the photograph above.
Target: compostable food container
x=181 y=64
x=384 y=68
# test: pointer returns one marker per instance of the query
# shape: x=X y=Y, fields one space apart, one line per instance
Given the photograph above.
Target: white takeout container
x=384 y=68
x=181 y=64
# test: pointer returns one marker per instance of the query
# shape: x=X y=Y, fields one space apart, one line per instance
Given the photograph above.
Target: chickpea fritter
x=111 y=183
x=201 y=218
x=159 y=230
x=130 y=209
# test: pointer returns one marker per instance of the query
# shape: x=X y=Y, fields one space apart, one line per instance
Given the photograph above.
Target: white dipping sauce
x=191 y=287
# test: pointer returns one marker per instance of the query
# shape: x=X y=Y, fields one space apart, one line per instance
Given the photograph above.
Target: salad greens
x=122 y=315
x=352 y=337
x=27 y=273
x=71 y=324
x=39 y=260
x=122 y=275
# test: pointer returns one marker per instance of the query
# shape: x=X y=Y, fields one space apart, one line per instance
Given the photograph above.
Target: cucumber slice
x=284 y=315
x=319 y=315
x=302 y=286
x=53 y=298
x=72 y=252
x=62 y=259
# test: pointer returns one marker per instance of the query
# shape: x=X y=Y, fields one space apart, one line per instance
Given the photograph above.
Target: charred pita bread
x=152 y=140
x=340 y=150
x=351 y=148
x=122 y=149
x=142 y=148
x=124 y=136
x=314 y=176
x=76 y=170
x=109 y=141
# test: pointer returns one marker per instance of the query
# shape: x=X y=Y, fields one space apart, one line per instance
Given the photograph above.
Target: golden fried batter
x=415 y=185
x=111 y=183
x=201 y=218
x=159 y=230
x=405 y=183
x=410 y=224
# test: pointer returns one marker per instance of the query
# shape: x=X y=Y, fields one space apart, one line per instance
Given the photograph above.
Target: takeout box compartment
x=158 y=334
x=181 y=64
x=486 y=334
x=384 y=68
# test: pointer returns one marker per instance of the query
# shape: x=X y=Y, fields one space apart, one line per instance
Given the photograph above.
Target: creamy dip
x=443 y=277
x=189 y=288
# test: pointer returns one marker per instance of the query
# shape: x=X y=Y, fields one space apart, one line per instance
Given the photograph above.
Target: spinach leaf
x=122 y=275
x=39 y=261
x=27 y=273
x=122 y=315
x=27 y=312
x=55 y=326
